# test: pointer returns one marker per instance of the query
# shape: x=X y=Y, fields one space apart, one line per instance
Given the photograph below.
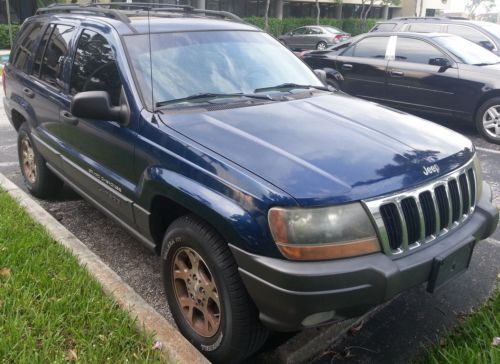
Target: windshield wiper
x=292 y=86
x=211 y=96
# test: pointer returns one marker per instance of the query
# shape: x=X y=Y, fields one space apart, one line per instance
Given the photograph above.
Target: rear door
x=416 y=84
x=364 y=66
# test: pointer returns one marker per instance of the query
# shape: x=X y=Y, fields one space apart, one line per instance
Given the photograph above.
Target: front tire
x=205 y=293
x=488 y=120
x=40 y=181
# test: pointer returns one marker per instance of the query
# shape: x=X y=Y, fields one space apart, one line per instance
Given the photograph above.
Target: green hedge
x=278 y=27
x=4 y=35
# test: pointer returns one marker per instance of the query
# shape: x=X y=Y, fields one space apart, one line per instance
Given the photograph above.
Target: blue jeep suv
x=276 y=203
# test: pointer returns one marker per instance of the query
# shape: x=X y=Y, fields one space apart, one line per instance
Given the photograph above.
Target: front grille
x=408 y=220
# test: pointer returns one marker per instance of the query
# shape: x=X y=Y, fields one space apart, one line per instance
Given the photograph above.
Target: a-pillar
x=278 y=10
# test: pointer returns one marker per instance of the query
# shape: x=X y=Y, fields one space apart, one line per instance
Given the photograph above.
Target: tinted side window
x=94 y=68
x=468 y=33
x=25 y=46
x=37 y=64
x=300 y=31
x=373 y=47
x=55 y=53
x=424 y=28
x=384 y=27
x=416 y=51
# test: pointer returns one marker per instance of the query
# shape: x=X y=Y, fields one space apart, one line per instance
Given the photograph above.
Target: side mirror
x=290 y=34
x=487 y=44
x=321 y=75
x=444 y=63
x=97 y=105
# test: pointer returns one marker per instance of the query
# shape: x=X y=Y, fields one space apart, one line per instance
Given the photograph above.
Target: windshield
x=212 y=62
x=467 y=52
x=490 y=27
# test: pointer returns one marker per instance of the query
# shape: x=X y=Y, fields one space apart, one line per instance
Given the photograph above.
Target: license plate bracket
x=449 y=265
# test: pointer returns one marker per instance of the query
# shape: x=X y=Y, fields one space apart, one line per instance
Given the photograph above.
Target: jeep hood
x=329 y=148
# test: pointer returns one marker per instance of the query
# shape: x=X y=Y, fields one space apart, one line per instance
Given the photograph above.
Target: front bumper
x=288 y=293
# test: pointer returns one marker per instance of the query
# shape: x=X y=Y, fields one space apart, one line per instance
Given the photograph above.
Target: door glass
x=416 y=51
x=26 y=45
x=468 y=33
x=41 y=50
x=54 y=55
x=300 y=31
x=94 y=68
x=424 y=28
x=373 y=47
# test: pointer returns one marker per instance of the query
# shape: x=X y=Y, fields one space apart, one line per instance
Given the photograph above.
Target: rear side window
x=37 y=64
x=25 y=46
x=424 y=28
x=416 y=51
x=468 y=33
x=55 y=54
x=373 y=47
x=94 y=68
x=384 y=27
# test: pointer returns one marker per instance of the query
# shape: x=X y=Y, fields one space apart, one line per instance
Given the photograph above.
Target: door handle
x=347 y=66
x=29 y=93
x=394 y=73
x=67 y=117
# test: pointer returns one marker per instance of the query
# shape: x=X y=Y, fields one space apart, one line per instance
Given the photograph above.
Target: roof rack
x=419 y=18
x=118 y=10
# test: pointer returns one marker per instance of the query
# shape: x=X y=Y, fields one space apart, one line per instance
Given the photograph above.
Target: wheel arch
x=485 y=97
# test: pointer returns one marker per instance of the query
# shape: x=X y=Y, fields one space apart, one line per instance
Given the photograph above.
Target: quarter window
x=373 y=47
x=25 y=49
x=54 y=55
x=94 y=68
x=416 y=51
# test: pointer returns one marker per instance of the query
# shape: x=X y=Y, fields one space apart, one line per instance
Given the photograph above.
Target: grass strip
x=51 y=308
x=471 y=342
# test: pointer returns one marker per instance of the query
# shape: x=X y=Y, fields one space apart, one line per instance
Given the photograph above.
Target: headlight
x=323 y=233
x=479 y=176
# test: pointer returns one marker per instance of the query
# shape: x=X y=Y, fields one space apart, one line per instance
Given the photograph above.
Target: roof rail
x=118 y=10
x=419 y=18
x=79 y=9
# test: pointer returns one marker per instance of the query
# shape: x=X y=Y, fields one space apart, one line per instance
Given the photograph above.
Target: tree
x=473 y=5
x=366 y=7
x=266 y=15
x=318 y=12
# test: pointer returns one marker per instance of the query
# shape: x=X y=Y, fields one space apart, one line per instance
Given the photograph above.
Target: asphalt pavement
x=396 y=333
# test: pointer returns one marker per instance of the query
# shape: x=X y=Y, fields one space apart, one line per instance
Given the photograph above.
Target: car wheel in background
x=488 y=120
x=321 y=46
x=40 y=181
x=205 y=293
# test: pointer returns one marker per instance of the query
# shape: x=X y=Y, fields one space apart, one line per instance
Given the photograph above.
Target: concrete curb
x=174 y=346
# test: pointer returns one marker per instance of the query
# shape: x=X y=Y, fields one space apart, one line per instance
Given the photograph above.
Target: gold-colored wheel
x=28 y=160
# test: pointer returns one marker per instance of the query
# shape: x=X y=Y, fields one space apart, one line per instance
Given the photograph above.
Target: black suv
x=275 y=202
x=483 y=33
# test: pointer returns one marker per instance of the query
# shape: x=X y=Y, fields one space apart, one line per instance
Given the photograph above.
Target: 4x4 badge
x=431 y=169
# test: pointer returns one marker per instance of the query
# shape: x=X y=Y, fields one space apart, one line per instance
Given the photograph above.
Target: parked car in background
x=485 y=34
x=4 y=58
x=313 y=37
x=421 y=73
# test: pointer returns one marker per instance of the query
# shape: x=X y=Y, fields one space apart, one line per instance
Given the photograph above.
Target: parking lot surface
x=395 y=333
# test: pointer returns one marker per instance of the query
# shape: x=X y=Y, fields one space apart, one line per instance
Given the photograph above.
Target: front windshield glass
x=217 y=62
x=493 y=28
x=467 y=52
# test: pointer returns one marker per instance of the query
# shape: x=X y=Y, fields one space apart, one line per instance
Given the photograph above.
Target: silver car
x=313 y=37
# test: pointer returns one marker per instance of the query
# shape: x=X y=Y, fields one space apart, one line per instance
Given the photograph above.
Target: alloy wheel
x=196 y=292
x=491 y=121
x=321 y=46
x=28 y=160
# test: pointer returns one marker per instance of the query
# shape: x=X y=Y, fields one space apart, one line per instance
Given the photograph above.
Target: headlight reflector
x=323 y=233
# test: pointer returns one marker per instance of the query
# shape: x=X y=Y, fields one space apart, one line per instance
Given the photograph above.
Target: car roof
x=155 y=24
x=415 y=34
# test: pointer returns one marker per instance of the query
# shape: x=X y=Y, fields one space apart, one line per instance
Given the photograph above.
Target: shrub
x=4 y=35
x=278 y=27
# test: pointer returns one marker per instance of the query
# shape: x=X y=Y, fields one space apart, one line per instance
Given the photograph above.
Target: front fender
x=239 y=217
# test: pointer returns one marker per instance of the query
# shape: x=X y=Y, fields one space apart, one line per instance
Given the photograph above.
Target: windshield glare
x=467 y=52
x=490 y=27
x=219 y=62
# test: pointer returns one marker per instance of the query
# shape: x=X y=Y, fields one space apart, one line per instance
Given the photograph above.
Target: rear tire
x=488 y=120
x=321 y=46
x=40 y=181
x=206 y=295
